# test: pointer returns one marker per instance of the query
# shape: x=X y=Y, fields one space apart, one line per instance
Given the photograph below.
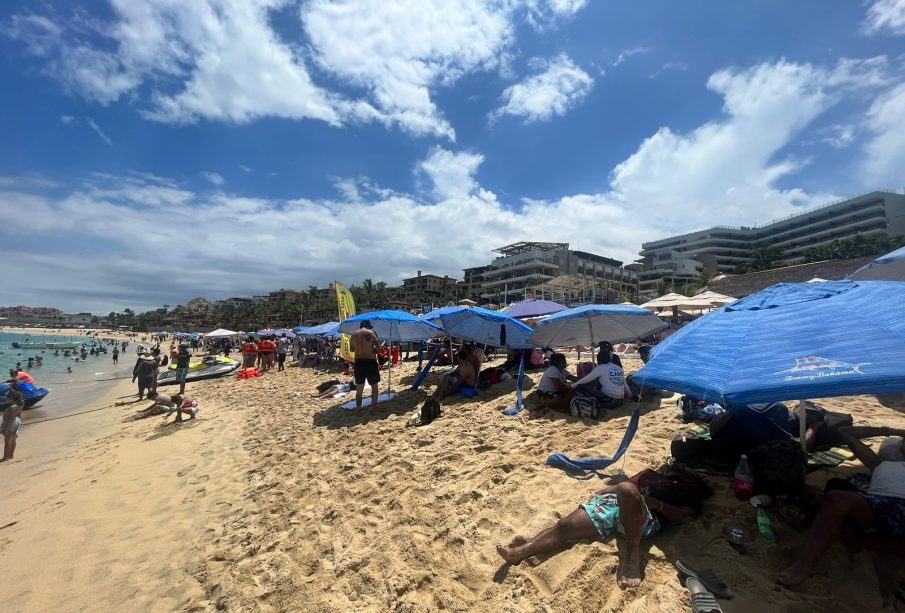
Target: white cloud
x=724 y=171
x=560 y=86
x=451 y=174
x=625 y=54
x=244 y=168
x=544 y=14
x=97 y=129
x=67 y=119
x=399 y=51
x=214 y=178
x=223 y=60
x=838 y=136
x=884 y=163
x=886 y=16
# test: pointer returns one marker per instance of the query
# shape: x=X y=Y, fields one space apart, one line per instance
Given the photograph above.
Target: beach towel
x=581 y=467
x=366 y=402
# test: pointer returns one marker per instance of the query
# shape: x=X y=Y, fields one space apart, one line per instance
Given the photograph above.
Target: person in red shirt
x=249 y=353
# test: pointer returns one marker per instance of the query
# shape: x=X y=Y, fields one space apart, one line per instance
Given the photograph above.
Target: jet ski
x=30 y=394
x=209 y=367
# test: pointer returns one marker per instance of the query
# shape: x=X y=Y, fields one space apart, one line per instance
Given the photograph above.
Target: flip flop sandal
x=706 y=576
x=702 y=601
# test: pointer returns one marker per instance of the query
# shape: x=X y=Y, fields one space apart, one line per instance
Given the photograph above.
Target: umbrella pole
x=803 y=424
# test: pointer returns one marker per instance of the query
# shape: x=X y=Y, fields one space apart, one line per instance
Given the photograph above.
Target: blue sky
x=162 y=150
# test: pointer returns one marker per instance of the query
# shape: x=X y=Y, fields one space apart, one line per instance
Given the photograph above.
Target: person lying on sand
x=637 y=508
x=162 y=403
x=879 y=512
x=338 y=388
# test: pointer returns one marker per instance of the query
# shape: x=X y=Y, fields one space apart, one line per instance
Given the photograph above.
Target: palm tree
x=763 y=257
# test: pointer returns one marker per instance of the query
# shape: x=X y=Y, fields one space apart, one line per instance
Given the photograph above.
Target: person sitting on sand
x=553 y=390
x=463 y=376
x=637 y=508
x=879 y=512
x=608 y=380
x=184 y=404
x=12 y=405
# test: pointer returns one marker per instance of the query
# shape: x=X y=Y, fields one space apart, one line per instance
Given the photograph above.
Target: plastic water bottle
x=764 y=526
x=744 y=480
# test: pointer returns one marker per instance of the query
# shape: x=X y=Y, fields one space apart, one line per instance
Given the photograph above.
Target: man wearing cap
x=878 y=512
x=365 y=344
x=183 y=357
x=145 y=372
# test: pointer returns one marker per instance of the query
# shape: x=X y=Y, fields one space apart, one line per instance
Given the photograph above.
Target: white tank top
x=888 y=479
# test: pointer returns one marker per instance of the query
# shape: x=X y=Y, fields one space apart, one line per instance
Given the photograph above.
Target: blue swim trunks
x=604 y=513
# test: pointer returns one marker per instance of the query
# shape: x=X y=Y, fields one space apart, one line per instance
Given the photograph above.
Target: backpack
x=430 y=411
x=584 y=404
x=779 y=468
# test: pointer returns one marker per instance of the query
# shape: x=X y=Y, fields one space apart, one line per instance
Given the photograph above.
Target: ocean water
x=54 y=367
x=69 y=391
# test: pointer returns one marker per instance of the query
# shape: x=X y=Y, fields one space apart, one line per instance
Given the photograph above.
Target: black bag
x=430 y=411
x=584 y=404
x=778 y=468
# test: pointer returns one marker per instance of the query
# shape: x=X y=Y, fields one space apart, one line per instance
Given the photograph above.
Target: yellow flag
x=346 y=306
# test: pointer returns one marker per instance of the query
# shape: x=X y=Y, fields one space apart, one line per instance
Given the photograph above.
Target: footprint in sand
x=186 y=470
x=201 y=479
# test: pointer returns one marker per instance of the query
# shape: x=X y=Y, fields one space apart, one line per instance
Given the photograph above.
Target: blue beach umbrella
x=789 y=341
x=390 y=325
x=482 y=326
x=487 y=328
x=890 y=267
x=586 y=325
x=329 y=331
x=527 y=309
x=394 y=326
x=266 y=332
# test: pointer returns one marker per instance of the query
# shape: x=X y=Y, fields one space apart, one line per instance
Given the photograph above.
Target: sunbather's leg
x=576 y=525
x=632 y=515
x=838 y=508
x=359 y=388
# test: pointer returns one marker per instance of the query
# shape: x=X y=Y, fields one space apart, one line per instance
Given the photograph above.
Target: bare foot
x=507 y=554
x=792 y=576
x=630 y=573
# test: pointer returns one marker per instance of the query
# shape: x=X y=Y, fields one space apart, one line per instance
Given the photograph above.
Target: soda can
x=737 y=540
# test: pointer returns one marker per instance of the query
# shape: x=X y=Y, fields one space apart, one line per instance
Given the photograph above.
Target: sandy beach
x=275 y=501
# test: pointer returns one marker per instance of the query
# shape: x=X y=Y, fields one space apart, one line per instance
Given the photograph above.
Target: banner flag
x=346 y=306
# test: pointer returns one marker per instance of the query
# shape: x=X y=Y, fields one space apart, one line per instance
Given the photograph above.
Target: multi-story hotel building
x=722 y=249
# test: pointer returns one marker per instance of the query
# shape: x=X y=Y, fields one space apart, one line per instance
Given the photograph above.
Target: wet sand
x=274 y=501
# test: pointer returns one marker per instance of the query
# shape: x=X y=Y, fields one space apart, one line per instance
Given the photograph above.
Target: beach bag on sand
x=584 y=404
x=779 y=468
x=584 y=368
x=430 y=411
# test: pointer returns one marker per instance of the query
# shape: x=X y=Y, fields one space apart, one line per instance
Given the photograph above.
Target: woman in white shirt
x=553 y=391
x=608 y=381
x=879 y=512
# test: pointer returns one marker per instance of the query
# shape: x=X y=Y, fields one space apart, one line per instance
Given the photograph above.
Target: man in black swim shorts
x=365 y=344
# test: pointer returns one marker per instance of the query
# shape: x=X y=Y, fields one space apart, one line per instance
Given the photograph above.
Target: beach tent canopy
x=329 y=331
x=530 y=308
x=588 y=324
x=391 y=325
x=677 y=300
x=890 y=267
x=220 y=333
x=715 y=298
x=790 y=341
x=481 y=326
